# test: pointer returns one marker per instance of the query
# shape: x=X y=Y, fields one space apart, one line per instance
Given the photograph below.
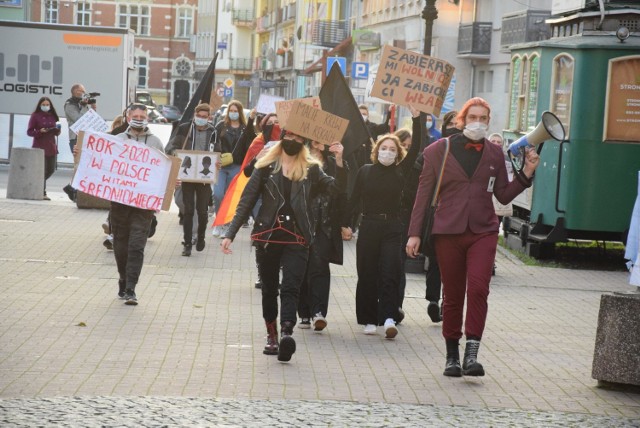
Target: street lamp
x=429 y=14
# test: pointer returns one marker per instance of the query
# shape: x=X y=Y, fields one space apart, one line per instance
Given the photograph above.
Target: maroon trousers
x=466 y=261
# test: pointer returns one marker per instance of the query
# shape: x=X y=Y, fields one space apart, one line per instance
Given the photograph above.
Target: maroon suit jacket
x=463 y=201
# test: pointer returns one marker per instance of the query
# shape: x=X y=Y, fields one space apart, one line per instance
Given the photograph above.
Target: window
x=489 y=84
x=481 y=81
x=135 y=17
x=562 y=89
x=516 y=78
x=83 y=13
x=143 y=71
x=185 y=22
x=532 y=101
x=51 y=12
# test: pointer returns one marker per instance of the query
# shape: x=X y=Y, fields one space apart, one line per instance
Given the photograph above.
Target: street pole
x=429 y=14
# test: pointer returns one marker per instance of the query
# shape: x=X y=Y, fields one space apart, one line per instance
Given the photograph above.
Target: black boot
x=452 y=367
x=200 y=242
x=271 y=348
x=287 y=344
x=470 y=365
x=434 y=312
x=122 y=285
x=186 y=250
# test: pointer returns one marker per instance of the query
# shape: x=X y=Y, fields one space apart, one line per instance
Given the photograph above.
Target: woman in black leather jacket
x=287 y=178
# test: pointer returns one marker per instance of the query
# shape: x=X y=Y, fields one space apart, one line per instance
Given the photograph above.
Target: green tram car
x=588 y=75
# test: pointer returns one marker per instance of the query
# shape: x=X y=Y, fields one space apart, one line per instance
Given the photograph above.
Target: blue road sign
x=360 y=70
x=228 y=92
x=342 y=63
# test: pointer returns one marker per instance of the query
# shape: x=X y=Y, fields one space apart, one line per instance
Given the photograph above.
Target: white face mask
x=45 y=108
x=199 y=121
x=387 y=157
x=475 y=131
x=365 y=117
x=138 y=124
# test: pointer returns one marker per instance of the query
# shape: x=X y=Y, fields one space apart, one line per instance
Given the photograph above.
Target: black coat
x=266 y=183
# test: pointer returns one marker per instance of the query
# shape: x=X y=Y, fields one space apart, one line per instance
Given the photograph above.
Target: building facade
x=163 y=43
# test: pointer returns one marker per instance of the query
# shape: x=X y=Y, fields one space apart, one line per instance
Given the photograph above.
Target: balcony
x=240 y=65
x=329 y=33
x=474 y=40
x=242 y=17
x=524 y=27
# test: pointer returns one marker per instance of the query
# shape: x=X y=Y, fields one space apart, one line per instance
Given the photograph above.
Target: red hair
x=462 y=114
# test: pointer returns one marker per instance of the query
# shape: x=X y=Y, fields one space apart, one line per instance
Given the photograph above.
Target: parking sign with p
x=360 y=70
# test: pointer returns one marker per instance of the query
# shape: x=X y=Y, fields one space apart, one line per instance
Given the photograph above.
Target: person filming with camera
x=74 y=107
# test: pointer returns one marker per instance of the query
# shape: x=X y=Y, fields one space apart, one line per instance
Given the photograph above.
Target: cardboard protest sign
x=283 y=108
x=315 y=124
x=90 y=121
x=267 y=103
x=215 y=101
x=124 y=171
x=198 y=166
x=412 y=79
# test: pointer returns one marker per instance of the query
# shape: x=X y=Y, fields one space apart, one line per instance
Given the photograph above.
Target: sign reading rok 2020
x=124 y=171
x=412 y=79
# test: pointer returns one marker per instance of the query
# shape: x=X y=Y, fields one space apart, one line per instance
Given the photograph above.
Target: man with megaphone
x=465 y=226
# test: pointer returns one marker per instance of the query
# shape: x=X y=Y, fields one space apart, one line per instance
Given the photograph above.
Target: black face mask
x=291 y=147
x=266 y=132
x=447 y=132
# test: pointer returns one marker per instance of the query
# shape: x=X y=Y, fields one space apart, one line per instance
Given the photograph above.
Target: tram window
x=562 y=89
x=524 y=92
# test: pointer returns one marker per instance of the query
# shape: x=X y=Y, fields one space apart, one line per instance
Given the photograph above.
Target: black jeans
x=378 y=263
x=314 y=294
x=433 y=280
x=293 y=259
x=130 y=228
x=49 y=169
x=195 y=196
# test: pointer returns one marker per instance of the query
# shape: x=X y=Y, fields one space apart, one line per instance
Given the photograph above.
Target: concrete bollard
x=616 y=359
x=26 y=174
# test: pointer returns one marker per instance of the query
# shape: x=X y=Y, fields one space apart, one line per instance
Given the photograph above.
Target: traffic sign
x=342 y=63
x=228 y=83
x=228 y=92
x=220 y=91
x=360 y=70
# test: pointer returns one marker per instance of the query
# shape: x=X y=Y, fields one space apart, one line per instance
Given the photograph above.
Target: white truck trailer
x=39 y=60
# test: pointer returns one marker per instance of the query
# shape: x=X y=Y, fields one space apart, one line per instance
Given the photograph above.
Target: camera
x=90 y=98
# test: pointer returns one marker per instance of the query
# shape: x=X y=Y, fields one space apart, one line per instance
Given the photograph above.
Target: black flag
x=202 y=93
x=336 y=98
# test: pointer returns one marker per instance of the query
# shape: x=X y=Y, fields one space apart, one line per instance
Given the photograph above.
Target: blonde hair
x=401 y=152
x=301 y=163
x=117 y=121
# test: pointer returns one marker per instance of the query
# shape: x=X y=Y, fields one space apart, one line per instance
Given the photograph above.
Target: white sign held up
x=90 y=121
x=124 y=171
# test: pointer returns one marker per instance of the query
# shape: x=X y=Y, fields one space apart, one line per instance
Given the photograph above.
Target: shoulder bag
x=427 y=247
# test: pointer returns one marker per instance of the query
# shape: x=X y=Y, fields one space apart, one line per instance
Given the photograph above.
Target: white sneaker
x=319 y=322
x=370 y=329
x=390 y=329
x=223 y=230
x=216 y=231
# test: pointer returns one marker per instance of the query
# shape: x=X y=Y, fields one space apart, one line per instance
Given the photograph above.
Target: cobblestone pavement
x=71 y=354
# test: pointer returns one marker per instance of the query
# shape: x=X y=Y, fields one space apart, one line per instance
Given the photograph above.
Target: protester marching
x=305 y=175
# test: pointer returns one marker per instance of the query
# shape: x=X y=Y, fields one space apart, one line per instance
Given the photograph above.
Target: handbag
x=226 y=159
x=427 y=248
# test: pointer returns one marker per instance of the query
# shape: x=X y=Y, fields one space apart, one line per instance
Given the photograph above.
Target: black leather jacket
x=264 y=182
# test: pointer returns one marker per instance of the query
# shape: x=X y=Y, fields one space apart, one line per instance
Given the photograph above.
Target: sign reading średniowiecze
x=412 y=79
x=125 y=171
